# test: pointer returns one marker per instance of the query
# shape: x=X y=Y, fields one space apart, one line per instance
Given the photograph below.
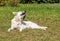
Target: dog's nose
x=24 y=11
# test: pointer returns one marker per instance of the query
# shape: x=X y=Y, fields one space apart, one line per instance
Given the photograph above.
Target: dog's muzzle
x=22 y=14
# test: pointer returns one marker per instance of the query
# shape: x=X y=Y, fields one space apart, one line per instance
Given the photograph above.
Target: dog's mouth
x=22 y=14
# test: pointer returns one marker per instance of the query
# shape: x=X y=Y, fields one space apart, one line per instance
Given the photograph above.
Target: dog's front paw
x=8 y=30
x=20 y=30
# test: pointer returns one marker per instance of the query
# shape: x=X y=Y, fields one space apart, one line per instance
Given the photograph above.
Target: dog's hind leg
x=42 y=27
x=35 y=26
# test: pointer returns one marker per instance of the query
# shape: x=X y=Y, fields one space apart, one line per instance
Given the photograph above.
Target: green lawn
x=42 y=14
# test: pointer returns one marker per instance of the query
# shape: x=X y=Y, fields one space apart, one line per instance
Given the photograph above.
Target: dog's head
x=20 y=14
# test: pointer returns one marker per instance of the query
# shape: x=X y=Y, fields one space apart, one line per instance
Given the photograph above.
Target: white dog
x=17 y=22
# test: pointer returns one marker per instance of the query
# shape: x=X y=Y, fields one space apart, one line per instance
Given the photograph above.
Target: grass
x=42 y=14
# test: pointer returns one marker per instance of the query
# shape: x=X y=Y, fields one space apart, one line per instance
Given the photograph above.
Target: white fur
x=17 y=22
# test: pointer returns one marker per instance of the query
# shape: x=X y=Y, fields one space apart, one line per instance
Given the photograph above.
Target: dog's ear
x=15 y=13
